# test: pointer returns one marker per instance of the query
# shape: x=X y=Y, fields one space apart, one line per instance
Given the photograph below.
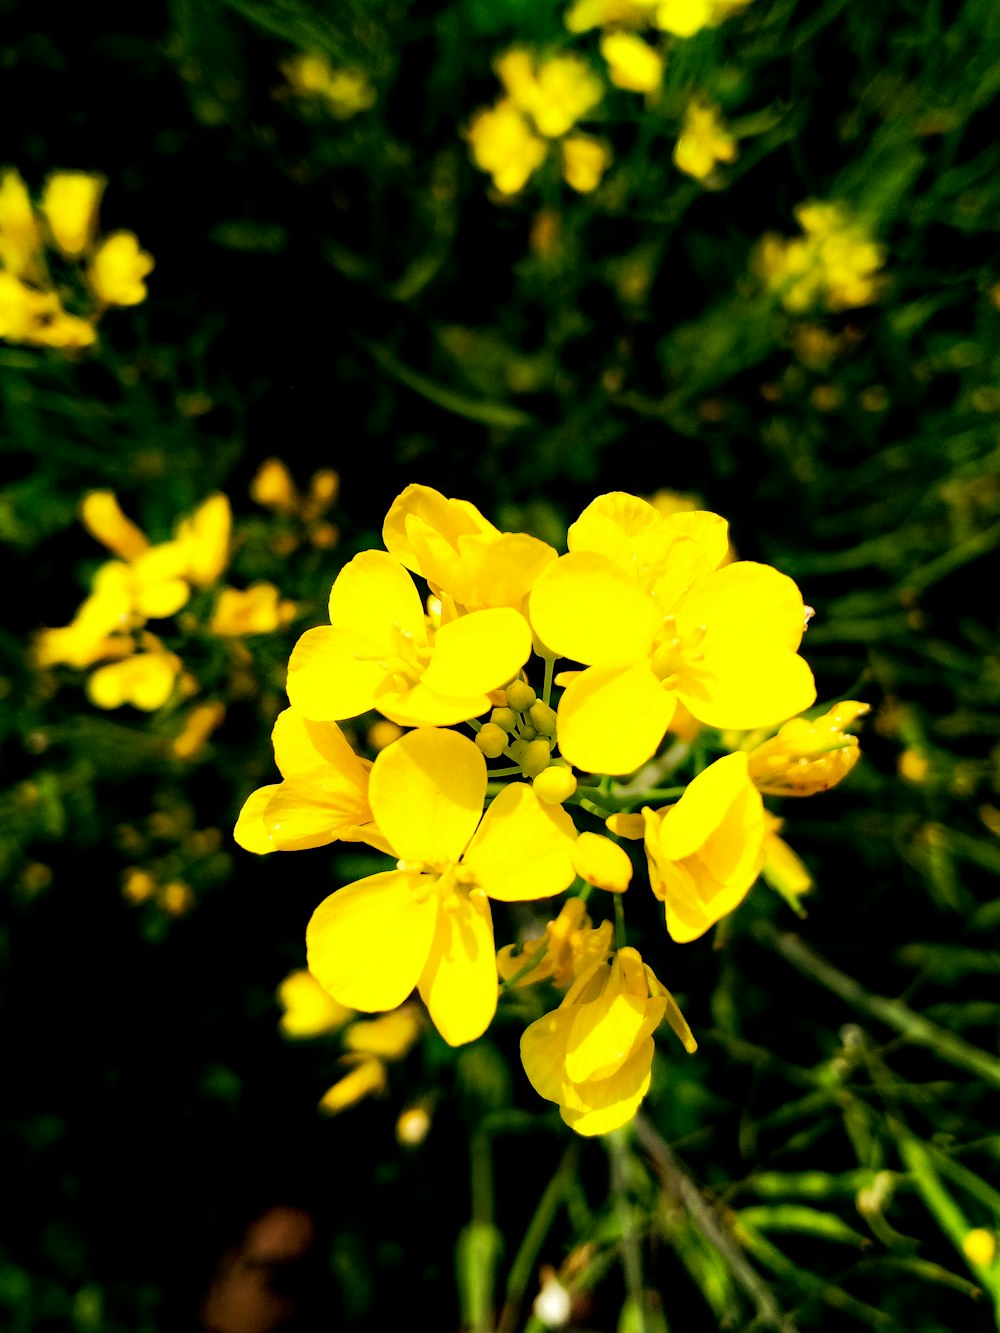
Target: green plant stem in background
x=631 y=1248
x=525 y=1262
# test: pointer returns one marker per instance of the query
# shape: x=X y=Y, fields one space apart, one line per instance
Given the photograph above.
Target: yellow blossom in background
x=176 y=898
x=344 y=92
x=273 y=487
x=427 y=924
x=704 y=141
x=584 y=160
x=367 y=1079
x=632 y=63
x=383 y=733
x=390 y=1037
x=145 y=680
x=783 y=869
x=705 y=852
x=118 y=269
x=254 y=610
x=835 y=262
x=204 y=540
x=683 y=18
x=69 y=202
x=94 y=633
x=28 y=315
x=555 y=92
x=504 y=145
x=19 y=239
x=592 y=1056
x=583 y=15
x=103 y=517
x=199 y=724
x=808 y=757
x=570 y=945
x=307 y=1010
x=138 y=886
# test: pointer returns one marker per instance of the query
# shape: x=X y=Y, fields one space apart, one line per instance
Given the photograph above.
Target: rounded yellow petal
x=687 y=825
x=420 y=510
x=478 y=652
x=308 y=1010
x=367 y=943
x=373 y=595
x=612 y=717
x=251 y=832
x=300 y=745
x=543 y=1052
x=205 y=539
x=601 y=1105
x=523 y=849
x=749 y=602
x=418 y=706
x=602 y=863
x=102 y=516
x=426 y=792
x=69 y=203
x=333 y=674
x=364 y=1080
x=741 y=684
x=313 y=809
x=603 y=1035
x=459 y=981
x=389 y=1037
x=585 y=607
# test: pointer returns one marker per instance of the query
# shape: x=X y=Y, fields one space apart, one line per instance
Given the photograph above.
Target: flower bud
x=554 y=785
x=528 y=732
x=543 y=718
x=504 y=718
x=520 y=696
x=535 y=759
x=517 y=750
x=491 y=740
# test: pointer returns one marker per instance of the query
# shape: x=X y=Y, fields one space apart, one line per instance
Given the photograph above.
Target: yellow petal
x=421 y=508
x=426 y=791
x=478 y=653
x=613 y=717
x=687 y=825
x=523 y=849
x=601 y=1105
x=309 y=1010
x=497 y=571
x=373 y=595
x=585 y=607
x=102 y=516
x=69 y=203
x=749 y=602
x=389 y=1037
x=251 y=831
x=333 y=674
x=301 y=745
x=629 y=826
x=543 y=1053
x=459 y=982
x=313 y=809
x=418 y=706
x=367 y=943
x=603 y=1035
x=364 y=1080
x=602 y=863
x=205 y=539
x=744 y=684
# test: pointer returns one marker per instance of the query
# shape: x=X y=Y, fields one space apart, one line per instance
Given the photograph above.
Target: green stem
x=526 y=1259
x=621 y=938
x=550 y=667
x=631 y=1251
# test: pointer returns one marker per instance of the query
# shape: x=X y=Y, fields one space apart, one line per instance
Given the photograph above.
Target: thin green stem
x=631 y=1250
x=621 y=938
x=526 y=1260
x=550 y=667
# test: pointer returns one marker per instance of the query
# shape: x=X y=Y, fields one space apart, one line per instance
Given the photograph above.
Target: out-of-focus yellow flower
x=343 y=91
x=102 y=516
x=176 y=898
x=592 y=1056
x=632 y=63
x=602 y=863
x=413 y=1125
x=19 y=239
x=980 y=1247
x=118 y=269
x=683 y=18
x=704 y=141
x=835 y=263
x=584 y=160
x=569 y=946
x=783 y=870
x=28 y=315
x=307 y=1010
x=204 y=539
x=93 y=634
x=145 y=680
x=273 y=487
x=705 y=852
x=198 y=726
x=504 y=145
x=913 y=766
x=428 y=923
x=138 y=885
x=555 y=93
x=69 y=202
x=583 y=15
x=254 y=610
x=366 y=1079
x=390 y=1037
x=808 y=757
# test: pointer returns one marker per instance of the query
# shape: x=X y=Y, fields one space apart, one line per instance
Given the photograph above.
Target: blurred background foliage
x=339 y=286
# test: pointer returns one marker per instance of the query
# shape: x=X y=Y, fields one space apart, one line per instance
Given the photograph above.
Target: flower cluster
x=341 y=92
x=512 y=782
x=835 y=263
x=57 y=274
x=680 y=18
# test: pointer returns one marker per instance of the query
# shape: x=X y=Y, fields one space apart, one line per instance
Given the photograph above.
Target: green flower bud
x=554 y=785
x=520 y=696
x=543 y=718
x=505 y=718
x=527 y=732
x=517 y=749
x=492 y=740
x=535 y=758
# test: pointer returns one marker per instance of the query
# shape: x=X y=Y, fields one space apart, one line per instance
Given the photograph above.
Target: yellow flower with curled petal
x=641 y=600
x=204 y=539
x=504 y=145
x=118 y=269
x=570 y=945
x=322 y=797
x=427 y=924
x=704 y=141
x=705 y=852
x=19 y=239
x=460 y=553
x=808 y=757
x=145 y=680
x=254 y=610
x=390 y=1037
x=37 y=318
x=102 y=516
x=585 y=160
x=378 y=653
x=632 y=63
x=592 y=1056
x=69 y=203
x=308 y=1011
x=367 y=1079
x=555 y=93
x=94 y=633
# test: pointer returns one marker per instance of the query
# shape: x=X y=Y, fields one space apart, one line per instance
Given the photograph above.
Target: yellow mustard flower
x=145 y=680
x=705 y=852
x=103 y=517
x=273 y=488
x=584 y=161
x=602 y=863
x=176 y=898
x=95 y=631
x=69 y=203
x=307 y=1010
x=199 y=724
x=704 y=141
x=427 y=923
x=808 y=757
x=28 y=315
x=460 y=553
x=555 y=93
x=204 y=540
x=835 y=262
x=632 y=63
x=783 y=870
x=367 y=1079
x=118 y=269
x=254 y=610
x=138 y=885
x=504 y=145
x=343 y=91
x=19 y=239
x=322 y=797
x=583 y=15
x=641 y=601
x=390 y=1037
x=378 y=652
x=683 y=18
x=570 y=945
x=592 y=1056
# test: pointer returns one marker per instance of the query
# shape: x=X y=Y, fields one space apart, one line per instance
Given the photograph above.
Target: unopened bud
x=554 y=785
x=520 y=696
x=505 y=718
x=543 y=718
x=536 y=758
x=528 y=732
x=517 y=750
x=491 y=740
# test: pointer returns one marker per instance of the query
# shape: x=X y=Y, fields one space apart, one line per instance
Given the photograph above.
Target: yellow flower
x=602 y=863
x=366 y=1079
x=569 y=946
x=704 y=141
x=705 y=852
x=344 y=91
x=460 y=553
x=783 y=870
x=390 y=1037
x=198 y=726
x=427 y=923
x=19 y=239
x=378 y=653
x=504 y=144
x=592 y=1056
x=585 y=160
x=683 y=18
x=176 y=898
x=91 y=636
x=639 y=599
x=273 y=487
x=145 y=680
x=307 y=1009
x=117 y=270
x=632 y=63
x=836 y=262
x=808 y=757
x=204 y=540
x=323 y=795
x=254 y=610
x=555 y=94
x=69 y=202
x=138 y=886
x=36 y=317
x=102 y=516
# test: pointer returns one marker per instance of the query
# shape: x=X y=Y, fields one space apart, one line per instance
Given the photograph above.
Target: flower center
x=675 y=651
